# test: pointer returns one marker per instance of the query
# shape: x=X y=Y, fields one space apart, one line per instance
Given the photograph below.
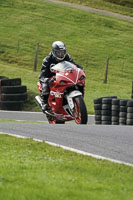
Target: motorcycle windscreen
x=63 y=67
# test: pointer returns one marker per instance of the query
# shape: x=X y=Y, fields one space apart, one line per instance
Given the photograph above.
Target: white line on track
x=73 y=150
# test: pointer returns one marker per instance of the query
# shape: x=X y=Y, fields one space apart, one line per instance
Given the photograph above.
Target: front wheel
x=80 y=112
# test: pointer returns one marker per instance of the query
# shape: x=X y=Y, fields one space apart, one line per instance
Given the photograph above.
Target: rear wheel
x=80 y=111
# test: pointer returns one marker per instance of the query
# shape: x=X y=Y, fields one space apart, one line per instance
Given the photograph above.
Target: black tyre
x=13 y=89
x=115 y=119
x=123 y=115
x=106 y=112
x=80 y=112
x=11 y=105
x=115 y=113
x=97 y=122
x=106 y=101
x=14 y=97
x=123 y=108
x=130 y=103
x=129 y=115
x=115 y=123
x=130 y=109
x=97 y=117
x=123 y=102
x=106 y=106
x=106 y=122
x=106 y=118
x=115 y=101
x=129 y=122
x=11 y=82
x=115 y=107
x=97 y=106
x=97 y=101
x=113 y=97
x=122 y=120
x=98 y=112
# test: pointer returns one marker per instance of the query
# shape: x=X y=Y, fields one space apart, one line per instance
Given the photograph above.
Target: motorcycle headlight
x=81 y=77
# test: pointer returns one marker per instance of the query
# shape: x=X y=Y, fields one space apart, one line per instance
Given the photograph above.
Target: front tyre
x=80 y=112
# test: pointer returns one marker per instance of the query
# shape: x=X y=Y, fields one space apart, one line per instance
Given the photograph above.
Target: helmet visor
x=60 y=53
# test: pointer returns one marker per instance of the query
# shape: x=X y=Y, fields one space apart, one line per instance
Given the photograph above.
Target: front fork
x=70 y=97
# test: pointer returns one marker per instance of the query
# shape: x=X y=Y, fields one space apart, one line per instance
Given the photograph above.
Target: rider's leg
x=44 y=96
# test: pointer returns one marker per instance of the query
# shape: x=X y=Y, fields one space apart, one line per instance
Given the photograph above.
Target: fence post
x=18 y=46
x=36 y=56
x=106 y=70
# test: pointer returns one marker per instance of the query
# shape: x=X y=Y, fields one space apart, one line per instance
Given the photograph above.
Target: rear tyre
x=80 y=112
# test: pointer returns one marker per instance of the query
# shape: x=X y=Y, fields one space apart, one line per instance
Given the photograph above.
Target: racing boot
x=44 y=103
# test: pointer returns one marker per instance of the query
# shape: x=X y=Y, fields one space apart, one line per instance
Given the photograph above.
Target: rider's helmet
x=59 y=50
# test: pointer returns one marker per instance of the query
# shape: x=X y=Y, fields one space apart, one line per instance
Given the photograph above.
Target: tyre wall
x=13 y=95
x=113 y=111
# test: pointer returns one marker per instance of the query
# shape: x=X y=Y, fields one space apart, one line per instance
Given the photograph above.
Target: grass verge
x=124 y=7
x=90 y=39
x=33 y=170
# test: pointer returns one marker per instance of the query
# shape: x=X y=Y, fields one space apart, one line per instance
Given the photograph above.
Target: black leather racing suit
x=46 y=73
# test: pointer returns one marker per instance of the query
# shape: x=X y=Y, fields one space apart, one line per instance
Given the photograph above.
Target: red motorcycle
x=65 y=102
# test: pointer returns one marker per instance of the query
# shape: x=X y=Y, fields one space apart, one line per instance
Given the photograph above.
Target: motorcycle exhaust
x=38 y=100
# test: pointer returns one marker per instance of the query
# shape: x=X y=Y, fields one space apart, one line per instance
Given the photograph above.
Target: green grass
x=33 y=170
x=90 y=39
x=124 y=7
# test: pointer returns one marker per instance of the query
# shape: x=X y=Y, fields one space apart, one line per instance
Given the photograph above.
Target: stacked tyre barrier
x=123 y=111
x=113 y=111
x=98 y=110
x=12 y=94
x=102 y=107
x=130 y=112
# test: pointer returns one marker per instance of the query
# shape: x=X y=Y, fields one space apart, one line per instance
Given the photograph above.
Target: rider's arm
x=45 y=70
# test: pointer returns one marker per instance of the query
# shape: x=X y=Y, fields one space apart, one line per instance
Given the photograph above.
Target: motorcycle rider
x=58 y=54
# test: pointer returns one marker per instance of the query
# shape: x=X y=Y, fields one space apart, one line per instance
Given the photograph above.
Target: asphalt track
x=31 y=116
x=108 y=141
